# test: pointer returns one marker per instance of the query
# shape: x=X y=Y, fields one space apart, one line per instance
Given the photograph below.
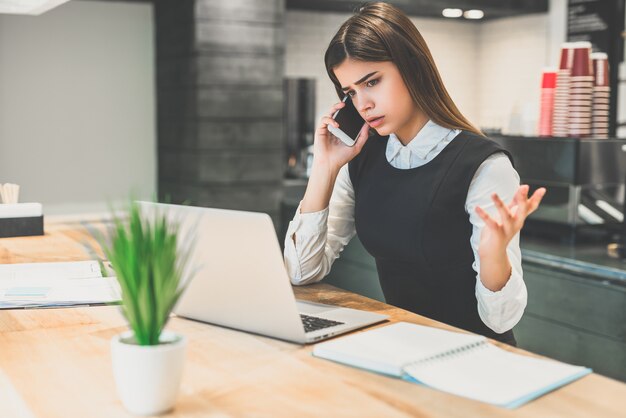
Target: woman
x=422 y=187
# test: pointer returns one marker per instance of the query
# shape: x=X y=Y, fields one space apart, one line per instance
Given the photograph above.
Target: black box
x=21 y=227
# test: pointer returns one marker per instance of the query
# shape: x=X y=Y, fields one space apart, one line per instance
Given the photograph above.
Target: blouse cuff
x=509 y=291
x=306 y=225
x=501 y=310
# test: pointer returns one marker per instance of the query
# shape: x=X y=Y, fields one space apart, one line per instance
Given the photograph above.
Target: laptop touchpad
x=312 y=308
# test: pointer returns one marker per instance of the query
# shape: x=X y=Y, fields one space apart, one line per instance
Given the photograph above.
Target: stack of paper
x=55 y=284
x=20 y=210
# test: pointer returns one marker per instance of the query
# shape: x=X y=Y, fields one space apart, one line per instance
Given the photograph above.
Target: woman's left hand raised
x=496 y=235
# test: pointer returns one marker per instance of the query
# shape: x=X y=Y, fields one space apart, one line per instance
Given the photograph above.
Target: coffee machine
x=584 y=179
x=299 y=109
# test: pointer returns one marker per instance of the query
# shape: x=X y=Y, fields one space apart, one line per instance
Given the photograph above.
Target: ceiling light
x=473 y=14
x=452 y=13
x=28 y=7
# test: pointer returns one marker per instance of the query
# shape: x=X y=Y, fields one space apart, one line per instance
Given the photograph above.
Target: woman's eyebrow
x=360 y=81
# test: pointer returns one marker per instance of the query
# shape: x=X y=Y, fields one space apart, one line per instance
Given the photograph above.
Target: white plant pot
x=148 y=377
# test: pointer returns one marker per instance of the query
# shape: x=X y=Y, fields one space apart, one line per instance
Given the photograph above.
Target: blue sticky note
x=27 y=291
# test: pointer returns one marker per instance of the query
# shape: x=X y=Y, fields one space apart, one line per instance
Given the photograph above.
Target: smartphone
x=350 y=123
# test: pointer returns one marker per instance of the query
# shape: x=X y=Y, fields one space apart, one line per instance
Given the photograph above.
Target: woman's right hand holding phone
x=329 y=155
x=328 y=150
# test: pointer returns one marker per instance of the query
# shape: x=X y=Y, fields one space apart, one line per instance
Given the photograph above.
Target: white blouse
x=321 y=236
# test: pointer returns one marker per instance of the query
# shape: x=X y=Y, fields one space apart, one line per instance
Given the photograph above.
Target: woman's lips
x=376 y=122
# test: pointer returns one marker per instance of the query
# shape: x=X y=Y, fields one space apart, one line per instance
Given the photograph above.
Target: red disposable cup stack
x=567 y=56
x=581 y=91
x=581 y=65
x=548 y=85
x=561 y=92
x=600 y=69
x=601 y=95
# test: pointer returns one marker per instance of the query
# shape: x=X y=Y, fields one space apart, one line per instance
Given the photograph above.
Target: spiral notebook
x=462 y=364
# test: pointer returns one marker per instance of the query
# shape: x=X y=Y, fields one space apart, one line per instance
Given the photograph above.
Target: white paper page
x=490 y=374
x=388 y=349
x=60 y=270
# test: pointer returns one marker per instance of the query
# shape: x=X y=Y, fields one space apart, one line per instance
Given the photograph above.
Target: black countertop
x=590 y=260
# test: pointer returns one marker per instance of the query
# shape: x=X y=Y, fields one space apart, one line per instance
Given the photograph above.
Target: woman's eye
x=351 y=93
x=372 y=83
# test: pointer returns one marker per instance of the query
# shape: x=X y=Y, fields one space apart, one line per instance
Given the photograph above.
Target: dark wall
x=220 y=66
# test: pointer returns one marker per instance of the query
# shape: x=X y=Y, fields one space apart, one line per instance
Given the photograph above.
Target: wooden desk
x=56 y=363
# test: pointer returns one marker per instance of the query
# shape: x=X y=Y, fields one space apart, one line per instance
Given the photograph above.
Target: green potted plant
x=149 y=263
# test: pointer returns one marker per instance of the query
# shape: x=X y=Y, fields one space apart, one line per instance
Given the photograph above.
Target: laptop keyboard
x=313 y=323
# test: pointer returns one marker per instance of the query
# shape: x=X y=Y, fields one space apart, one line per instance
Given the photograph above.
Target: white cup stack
x=601 y=96
x=9 y=193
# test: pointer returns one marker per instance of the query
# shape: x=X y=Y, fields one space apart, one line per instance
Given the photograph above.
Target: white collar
x=425 y=141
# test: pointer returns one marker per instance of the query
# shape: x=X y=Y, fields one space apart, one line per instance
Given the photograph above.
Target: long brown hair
x=381 y=32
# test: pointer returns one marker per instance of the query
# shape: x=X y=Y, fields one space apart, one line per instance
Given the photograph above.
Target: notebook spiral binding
x=449 y=354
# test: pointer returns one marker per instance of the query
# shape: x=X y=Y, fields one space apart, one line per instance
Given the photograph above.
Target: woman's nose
x=364 y=104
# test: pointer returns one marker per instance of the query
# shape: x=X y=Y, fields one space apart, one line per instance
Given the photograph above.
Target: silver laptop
x=239 y=279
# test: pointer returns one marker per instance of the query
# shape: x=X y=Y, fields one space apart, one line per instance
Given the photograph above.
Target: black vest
x=414 y=224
